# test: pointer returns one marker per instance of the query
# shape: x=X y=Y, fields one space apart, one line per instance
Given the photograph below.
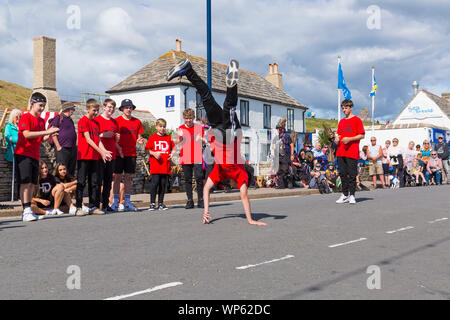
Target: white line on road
x=161 y=287
x=271 y=261
x=399 y=230
x=345 y=243
x=438 y=220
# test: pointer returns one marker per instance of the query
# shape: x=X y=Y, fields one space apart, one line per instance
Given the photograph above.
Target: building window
x=244 y=113
x=245 y=146
x=267 y=111
x=200 y=110
x=290 y=119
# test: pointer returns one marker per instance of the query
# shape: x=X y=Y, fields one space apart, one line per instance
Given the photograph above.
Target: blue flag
x=342 y=85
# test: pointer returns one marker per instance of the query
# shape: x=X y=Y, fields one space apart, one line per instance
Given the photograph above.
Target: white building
x=262 y=101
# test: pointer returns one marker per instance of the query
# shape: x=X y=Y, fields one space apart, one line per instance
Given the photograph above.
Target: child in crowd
x=130 y=130
x=27 y=153
x=159 y=147
x=49 y=195
x=90 y=151
x=63 y=177
x=109 y=136
x=333 y=177
x=319 y=179
x=416 y=171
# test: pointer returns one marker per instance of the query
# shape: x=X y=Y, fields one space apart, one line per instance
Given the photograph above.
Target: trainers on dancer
x=179 y=69
x=352 y=199
x=232 y=77
x=343 y=199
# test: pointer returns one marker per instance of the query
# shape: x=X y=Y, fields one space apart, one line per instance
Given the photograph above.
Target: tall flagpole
x=339 y=94
x=373 y=102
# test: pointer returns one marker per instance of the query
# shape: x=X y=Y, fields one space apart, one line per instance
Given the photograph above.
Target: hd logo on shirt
x=162 y=146
x=45 y=187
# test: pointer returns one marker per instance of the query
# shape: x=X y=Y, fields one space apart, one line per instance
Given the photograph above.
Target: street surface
x=312 y=248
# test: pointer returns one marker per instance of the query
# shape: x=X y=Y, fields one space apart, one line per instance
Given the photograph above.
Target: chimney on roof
x=415 y=86
x=44 y=51
x=178 y=45
x=274 y=77
x=446 y=96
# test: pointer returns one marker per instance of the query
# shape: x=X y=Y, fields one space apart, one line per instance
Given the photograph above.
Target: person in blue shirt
x=12 y=134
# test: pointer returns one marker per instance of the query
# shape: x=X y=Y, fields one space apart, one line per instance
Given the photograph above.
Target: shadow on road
x=256 y=216
x=324 y=284
x=3 y=225
x=363 y=199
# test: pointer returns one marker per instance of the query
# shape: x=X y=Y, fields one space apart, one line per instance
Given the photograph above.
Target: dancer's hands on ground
x=206 y=217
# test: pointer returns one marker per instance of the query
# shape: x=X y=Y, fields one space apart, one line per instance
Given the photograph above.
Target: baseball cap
x=126 y=103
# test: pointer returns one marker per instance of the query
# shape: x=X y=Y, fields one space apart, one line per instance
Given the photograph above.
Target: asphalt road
x=312 y=248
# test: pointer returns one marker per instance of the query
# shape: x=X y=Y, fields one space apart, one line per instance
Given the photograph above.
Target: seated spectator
x=426 y=151
x=334 y=180
x=319 y=180
x=317 y=151
x=362 y=162
x=434 y=168
x=416 y=171
x=63 y=177
x=301 y=169
x=49 y=195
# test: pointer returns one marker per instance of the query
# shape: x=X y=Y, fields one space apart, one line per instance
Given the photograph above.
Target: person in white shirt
x=396 y=157
x=375 y=155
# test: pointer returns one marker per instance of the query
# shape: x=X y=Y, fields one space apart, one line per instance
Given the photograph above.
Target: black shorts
x=49 y=207
x=386 y=168
x=125 y=164
x=27 y=169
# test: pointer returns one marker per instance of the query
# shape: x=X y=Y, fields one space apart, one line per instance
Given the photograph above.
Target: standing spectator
x=418 y=148
x=385 y=162
x=410 y=155
x=426 y=151
x=12 y=134
x=442 y=151
x=191 y=136
x=130 y=131
x=375 y=156
x=434 y=168
x=350 y=132
x=66 y=141
x=27 y=153
x=396 y=157
x=361 y=163
x=286 y=154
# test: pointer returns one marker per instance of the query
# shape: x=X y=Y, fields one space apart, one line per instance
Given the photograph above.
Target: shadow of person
x=256 y=217
x=363 y=199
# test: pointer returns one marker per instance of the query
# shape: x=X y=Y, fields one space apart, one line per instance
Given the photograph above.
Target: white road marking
x=259 y=264
x=161 y=287
x=399 y=230
x=345 y=243
x=438 y=220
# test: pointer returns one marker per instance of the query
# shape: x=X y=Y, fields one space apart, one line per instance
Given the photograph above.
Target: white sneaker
x=28 y=215
x=352 y=199
x=73 y=210
x=58 y=212
x=85 y=209
x=129 y=207
x=343 y=199
x=121 y=207
x=50 y=212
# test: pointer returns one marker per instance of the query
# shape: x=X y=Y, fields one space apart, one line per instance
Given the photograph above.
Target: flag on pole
x=342 y=85
x=374 y=87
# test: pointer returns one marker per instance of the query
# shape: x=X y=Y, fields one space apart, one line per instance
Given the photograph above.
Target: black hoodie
x=442 y=150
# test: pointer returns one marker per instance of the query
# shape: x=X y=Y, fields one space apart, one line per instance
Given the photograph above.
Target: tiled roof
x=443 y=104
x=251 y=85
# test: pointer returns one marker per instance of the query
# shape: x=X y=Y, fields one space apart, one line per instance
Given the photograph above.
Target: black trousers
x=68 y=157
x=218 y=118
x=106 y=177
x=158 y=185
x=283 y=170
x=195 y=170
x=88 y=169
x=348 y=170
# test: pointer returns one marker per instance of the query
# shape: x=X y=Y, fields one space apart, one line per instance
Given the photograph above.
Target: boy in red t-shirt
x=350 y=132
x=191 y=136
x=27 y=153
x=130 y=130
x=160 y=148
x=90 y=151
x=109 y=136
x=227 y=134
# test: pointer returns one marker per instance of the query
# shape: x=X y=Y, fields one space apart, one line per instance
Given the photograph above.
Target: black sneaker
x=152 y=207
x=162 y=207
x=108 y=210
x=189 y=204
x=179 y=69
x=200 y=204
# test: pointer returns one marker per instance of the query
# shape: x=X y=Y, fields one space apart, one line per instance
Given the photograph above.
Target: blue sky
x=117 y=38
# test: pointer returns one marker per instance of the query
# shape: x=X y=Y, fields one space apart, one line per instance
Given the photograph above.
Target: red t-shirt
x=227 y=153
x=164 y=145
x=29 y=147
x=85 y=151
x=349 y=128
x=191 y=144
x=108 y=125
x=129 y=131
